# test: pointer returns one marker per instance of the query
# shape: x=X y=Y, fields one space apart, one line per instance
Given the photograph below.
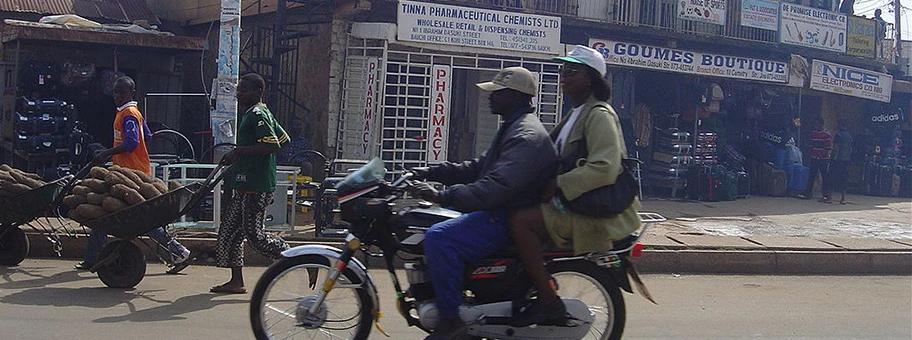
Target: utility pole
x=897 y=40
x=224 y=117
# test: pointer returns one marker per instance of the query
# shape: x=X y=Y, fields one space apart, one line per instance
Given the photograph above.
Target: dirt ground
x=861 y=217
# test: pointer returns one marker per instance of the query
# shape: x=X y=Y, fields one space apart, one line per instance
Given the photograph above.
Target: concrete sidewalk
x=756 y=235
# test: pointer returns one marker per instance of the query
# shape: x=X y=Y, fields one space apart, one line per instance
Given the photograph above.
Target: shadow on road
x=38 y=280
x=95 y=297
x=172 y=310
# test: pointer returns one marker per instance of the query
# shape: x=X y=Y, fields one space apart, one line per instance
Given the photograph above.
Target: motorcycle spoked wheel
x=282 y=295
x=592 y=285
x=14 y=245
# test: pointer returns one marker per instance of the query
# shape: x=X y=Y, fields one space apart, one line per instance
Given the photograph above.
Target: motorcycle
x=322 y=291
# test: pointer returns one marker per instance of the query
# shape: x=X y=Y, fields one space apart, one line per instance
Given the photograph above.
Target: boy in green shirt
x=252 y=180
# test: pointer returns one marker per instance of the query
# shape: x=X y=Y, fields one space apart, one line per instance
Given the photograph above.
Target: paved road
x=44 y=299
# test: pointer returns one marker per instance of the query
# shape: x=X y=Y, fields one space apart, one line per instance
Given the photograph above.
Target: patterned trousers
x=244 y=220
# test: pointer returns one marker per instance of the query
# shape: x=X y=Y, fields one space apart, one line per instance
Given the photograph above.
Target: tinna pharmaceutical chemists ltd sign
x=475 y=27
x=851 y=81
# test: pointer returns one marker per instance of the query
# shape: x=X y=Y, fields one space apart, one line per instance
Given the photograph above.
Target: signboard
x=475 y=27
x=760 y=14
x=440 y=114
x=851 y=81
x=684 y=61
x=812 y=27
x=861 y=36
x=368 y=121
x=711 y=11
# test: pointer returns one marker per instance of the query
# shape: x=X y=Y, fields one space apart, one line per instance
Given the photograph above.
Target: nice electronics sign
x=851 y=81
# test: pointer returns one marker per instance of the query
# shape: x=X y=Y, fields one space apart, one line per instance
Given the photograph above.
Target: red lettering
x=437 y=155
x=438 y=120
x=438 y=132
x=437 y=143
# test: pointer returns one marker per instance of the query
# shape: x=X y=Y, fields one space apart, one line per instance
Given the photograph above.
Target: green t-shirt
x=257 y=173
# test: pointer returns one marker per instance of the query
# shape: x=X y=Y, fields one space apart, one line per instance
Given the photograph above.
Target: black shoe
x=449 y=329
x=84 y=266
x=539 y=313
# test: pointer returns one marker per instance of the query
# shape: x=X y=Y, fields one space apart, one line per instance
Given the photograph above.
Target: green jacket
x=601 y=128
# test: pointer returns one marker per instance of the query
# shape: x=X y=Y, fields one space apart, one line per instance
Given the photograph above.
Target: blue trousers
x=97 y=240
x=451 y=245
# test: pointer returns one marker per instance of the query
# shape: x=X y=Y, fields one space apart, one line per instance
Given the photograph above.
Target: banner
x=851 y=81
x=684 y=61
x=368 y=119
x=861 y=37
x=439 y=125
x=812 y=27
x=760 y=14
x=475 y=27
x=711 y=11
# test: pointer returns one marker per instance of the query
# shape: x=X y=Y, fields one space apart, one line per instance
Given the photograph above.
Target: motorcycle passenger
x=510 y=174
x=593 y=122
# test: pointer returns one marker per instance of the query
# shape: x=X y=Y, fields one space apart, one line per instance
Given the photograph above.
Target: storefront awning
x=13 y=30
x=904 y=86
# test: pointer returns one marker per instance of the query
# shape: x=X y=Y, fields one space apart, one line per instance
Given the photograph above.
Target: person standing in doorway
x=129 y=151
x=821 y=142
x=252 y=181
x=842 y=154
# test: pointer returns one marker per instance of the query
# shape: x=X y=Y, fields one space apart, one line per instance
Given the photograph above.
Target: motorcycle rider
x=509 y=175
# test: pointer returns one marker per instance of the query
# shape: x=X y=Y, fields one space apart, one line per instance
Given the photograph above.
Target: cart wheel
x=127 y=265
x=14 y=245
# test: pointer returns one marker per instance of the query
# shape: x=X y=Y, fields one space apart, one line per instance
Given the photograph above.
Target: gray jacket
x=511 y=173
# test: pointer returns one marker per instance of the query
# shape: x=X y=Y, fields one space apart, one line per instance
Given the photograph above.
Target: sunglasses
x=567 y=71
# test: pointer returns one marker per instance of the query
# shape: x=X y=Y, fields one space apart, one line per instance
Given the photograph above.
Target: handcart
x=24 y=209
x=122 y=264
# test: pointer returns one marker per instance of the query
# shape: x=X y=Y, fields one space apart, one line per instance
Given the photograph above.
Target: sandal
x=222 y=289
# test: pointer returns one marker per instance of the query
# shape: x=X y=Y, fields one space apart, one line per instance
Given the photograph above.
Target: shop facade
x=408 y=92
x=56 y=76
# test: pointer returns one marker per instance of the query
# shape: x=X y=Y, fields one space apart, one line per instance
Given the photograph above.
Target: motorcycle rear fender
x=333 y=253
x=619 y=276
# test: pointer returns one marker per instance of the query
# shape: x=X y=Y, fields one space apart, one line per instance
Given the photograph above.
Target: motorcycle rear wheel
x=283 y=292
x=592 y=285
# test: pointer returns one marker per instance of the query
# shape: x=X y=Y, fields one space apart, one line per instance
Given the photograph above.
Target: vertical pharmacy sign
x=369 y=121
x=440 y=112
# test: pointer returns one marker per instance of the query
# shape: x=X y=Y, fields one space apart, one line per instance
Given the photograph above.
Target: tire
x=127 y=270
x=14 y=245
x=593 y=285
x=284 y=287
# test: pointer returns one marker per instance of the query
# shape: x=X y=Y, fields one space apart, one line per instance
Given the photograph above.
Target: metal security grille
x=405 y=98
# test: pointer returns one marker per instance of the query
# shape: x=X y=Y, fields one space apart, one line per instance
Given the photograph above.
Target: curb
x=777 y=262
x=701 y=261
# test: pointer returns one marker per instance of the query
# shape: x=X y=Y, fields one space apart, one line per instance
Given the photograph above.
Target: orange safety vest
x=138 y=159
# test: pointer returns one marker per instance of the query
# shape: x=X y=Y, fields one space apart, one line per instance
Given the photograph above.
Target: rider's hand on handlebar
x=420 y=173
x=425 y=191
x=549 y=191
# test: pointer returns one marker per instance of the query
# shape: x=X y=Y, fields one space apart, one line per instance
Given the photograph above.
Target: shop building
x=395 y=78
x=60 y=71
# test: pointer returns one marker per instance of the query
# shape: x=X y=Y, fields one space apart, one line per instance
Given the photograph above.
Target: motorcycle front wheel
x=286 y=291
x=592 y=285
